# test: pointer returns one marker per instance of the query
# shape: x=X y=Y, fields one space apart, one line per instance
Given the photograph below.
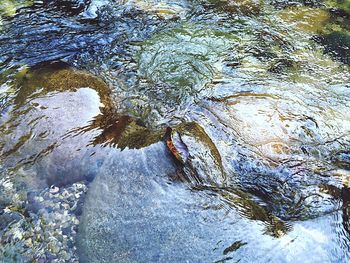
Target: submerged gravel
x=41 y=227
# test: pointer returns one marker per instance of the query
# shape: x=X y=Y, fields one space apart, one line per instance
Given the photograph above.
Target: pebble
x=66 y=231
x=54 y=189
x=29 y=242
x=48 y=232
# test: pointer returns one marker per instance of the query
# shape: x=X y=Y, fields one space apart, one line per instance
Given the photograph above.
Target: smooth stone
x=52 y=107
x=134 y=213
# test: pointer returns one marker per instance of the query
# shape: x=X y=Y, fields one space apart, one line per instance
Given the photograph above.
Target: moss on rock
x=185 y=57
x=245 y=7
x=305 y=19
x=8 y=8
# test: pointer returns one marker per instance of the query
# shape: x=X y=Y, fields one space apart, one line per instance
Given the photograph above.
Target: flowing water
x=174 y=131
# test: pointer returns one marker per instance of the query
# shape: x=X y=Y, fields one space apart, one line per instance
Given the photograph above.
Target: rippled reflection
x=108 y=93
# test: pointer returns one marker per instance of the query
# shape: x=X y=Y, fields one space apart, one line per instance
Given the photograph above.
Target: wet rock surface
x=165 y=220
x=184 y=57
x=246 y=7
x=44 y=134
x=161 y=211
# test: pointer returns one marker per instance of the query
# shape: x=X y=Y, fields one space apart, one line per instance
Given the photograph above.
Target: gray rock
x=7 y=218
x=134 y=213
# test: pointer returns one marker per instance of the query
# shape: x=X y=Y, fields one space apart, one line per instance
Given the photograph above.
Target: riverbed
x=174 y=131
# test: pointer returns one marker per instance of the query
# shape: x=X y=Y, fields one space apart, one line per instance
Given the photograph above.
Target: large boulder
x=50 y=127
x=135 y=212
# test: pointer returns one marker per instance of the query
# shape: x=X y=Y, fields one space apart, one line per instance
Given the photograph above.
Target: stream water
x=174 y=131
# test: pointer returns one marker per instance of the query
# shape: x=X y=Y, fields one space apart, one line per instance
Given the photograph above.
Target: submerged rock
x=135 y=213
x=306 y=19
x=246 y=7
x=257 y=160
x=48 y=105
x=63 y=124
x=200 y=155
x=272 y=149
x=338 y=44
x=186 y=58
x=165 y=9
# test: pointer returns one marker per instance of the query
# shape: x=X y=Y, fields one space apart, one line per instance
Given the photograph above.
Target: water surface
x=203 y=131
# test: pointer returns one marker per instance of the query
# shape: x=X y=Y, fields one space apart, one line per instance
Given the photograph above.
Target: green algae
x=136 y=137
x=8 y=8
x=185 y=57
x=122 y=132
x=305 y=19
x=246 y=7
x=340 y=4
x=38 y=82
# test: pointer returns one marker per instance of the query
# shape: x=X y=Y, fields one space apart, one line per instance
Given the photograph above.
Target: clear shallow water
x=258 y=91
